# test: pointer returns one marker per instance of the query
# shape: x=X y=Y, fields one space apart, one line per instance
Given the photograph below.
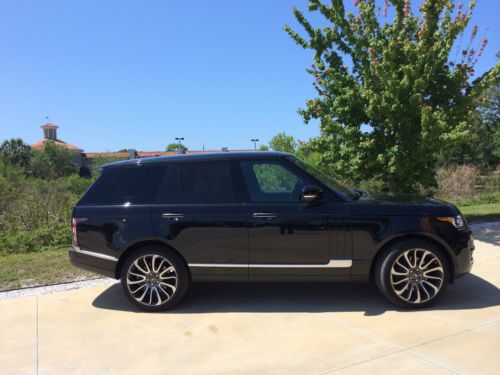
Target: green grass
x=48 y=267
x=482 y=208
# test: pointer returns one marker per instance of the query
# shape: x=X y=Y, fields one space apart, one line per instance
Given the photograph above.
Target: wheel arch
x=414 y=236
x=138 y=245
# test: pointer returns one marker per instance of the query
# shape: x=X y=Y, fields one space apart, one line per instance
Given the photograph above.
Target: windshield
x=322 y=177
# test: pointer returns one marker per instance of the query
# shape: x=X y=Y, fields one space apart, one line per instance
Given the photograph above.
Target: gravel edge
x=38 y=290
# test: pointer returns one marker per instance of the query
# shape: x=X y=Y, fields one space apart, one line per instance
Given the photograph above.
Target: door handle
x=264 y=215
x=172 y=216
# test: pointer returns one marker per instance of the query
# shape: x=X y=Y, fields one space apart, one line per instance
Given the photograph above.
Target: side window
x=271 y=182
x=207 y=182
x=170 y=191
x=132 y=185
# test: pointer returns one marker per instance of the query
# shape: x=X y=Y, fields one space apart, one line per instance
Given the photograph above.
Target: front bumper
x=94 y=262
x=465 y=256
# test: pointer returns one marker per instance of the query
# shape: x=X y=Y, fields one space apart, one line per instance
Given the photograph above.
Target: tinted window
x=208 y=182
x=134 y=185
x=271 y=181
x=170 y=191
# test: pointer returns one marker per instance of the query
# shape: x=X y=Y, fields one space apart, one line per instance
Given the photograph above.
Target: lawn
x=481 y=209
x=48 y=267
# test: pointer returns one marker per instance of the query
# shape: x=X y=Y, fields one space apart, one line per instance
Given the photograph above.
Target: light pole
x=255 y=140
x=179 y=139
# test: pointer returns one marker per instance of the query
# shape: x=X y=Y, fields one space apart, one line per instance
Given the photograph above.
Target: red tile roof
x=38 y=145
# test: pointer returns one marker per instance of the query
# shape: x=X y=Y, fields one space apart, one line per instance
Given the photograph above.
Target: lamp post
x=179 y=139
x=255 y=140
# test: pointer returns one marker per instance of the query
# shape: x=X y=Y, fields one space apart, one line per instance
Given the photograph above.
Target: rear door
x=199 y=213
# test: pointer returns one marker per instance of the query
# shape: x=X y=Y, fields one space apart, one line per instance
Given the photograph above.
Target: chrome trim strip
x=96 y=255
x=219 y=265
x=333 y=263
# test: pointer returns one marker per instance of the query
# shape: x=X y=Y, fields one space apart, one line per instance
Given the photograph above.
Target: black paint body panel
x=335 y=228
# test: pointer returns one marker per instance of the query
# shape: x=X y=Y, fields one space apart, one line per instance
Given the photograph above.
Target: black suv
x=159 y=223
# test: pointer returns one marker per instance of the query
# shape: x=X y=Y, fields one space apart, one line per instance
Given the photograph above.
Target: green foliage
x=35 y=213
x=482 y=146
x=283 y=142
x=52 y=162
x=15 y=152
x=396 y=77
x=263 y=148
x=97 y=162
x=175 y=147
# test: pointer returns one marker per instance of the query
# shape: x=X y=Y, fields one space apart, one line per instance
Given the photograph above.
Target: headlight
x=456 y=221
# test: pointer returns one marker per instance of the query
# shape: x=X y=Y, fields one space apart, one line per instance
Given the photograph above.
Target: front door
x=287 y=237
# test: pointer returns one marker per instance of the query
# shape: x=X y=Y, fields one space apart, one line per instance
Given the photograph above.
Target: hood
x=404 y=204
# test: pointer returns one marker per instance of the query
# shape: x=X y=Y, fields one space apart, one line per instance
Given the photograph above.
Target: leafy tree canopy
x=175 y=147
x=52 y=161
x=283 y=142
x=15 y=152
x=390 y=93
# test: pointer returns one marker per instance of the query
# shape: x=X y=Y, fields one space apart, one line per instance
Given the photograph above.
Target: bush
x=35 y=214
x=459 y=181
x=52 y=162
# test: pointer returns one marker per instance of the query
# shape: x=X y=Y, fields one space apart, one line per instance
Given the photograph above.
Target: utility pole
x=255 y=140
x=179 y=139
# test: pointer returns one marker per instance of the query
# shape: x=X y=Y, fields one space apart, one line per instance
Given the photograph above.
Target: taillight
x=74 y=233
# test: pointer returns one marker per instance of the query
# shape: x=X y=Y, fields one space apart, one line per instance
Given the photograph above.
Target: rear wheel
x=155 y=278
x=412 y=274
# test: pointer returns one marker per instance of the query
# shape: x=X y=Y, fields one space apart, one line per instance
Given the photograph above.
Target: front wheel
x=155 y=278
x=412 y=274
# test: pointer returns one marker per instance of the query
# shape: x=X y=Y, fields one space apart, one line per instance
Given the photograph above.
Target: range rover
x=160 y=223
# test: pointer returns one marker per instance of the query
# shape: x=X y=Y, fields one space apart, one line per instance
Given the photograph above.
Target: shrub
x=35 y=213
x=459 y=181
x=52 y=161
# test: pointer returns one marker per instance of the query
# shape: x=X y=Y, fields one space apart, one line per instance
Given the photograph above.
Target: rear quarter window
x=130 y=185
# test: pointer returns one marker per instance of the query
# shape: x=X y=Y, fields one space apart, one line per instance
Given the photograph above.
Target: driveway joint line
x=401 y=349
x=37 y=340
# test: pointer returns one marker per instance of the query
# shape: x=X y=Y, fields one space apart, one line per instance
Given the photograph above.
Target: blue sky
x=136 y=74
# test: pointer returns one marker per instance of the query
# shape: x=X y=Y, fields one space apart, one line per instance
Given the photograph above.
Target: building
x=50 y=135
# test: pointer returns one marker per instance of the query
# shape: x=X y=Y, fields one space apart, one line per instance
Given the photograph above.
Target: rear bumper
x=94 y=262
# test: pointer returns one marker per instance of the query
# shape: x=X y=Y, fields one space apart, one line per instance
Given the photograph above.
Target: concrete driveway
x=260 y=328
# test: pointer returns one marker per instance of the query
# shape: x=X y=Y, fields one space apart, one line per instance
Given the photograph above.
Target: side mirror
x=311 y=193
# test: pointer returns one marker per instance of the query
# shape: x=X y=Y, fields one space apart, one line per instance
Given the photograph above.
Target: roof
x=38 y=145
x=49 y=125
x=199 y=157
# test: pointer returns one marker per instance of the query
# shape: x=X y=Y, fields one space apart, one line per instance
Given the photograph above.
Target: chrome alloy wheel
x=417 y=276
x=152 y=280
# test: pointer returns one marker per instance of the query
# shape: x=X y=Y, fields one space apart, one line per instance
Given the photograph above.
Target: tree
x=283 y=142
x=52 y=161
x=482 y=146
x=175 y=147
x=263 y=148
x=389 y=96
x=15 y=152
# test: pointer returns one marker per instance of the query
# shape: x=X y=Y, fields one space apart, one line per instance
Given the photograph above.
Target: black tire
x=390 y=282
x=177 y=289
